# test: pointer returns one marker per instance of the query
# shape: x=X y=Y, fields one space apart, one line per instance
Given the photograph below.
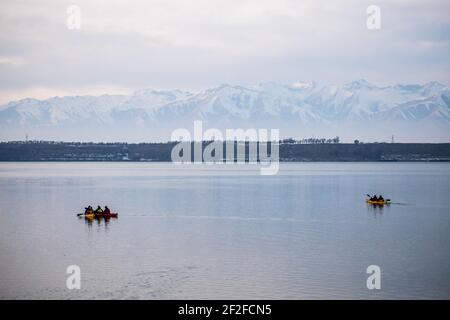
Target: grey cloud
x=173 y=44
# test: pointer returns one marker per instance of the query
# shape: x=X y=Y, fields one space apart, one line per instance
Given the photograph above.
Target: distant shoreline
x=48 y=151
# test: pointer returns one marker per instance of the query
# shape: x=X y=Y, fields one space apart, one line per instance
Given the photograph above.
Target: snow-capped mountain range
x=358 y=110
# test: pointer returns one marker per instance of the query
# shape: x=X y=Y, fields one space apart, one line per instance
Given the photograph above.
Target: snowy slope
x=287 y=106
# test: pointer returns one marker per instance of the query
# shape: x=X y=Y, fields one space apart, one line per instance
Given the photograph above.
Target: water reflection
x=98 y=220
x=376 y=208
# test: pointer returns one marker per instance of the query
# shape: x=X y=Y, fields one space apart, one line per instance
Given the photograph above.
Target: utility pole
x=26 y=138
x=392 y=140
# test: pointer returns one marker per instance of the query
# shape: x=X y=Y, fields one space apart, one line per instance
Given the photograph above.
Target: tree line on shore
x=288 y=151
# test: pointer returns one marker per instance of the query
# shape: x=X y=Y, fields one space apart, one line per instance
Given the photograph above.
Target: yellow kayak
x=378 y=202
x=97 y=215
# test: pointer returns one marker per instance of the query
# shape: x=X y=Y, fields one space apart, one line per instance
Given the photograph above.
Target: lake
x=224 y=232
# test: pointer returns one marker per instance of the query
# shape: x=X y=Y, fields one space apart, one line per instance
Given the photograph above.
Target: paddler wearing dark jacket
x=107 y=211
x=98 y=210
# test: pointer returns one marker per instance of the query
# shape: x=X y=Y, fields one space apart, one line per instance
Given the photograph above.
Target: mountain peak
x=359 y=84
x=151 y=91
x=225 y=87
x=303 y=85
x=434 y=85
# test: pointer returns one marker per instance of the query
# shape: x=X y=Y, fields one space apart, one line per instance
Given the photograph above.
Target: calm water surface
x=223 y=232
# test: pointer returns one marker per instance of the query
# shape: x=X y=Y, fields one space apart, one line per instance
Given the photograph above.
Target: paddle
x=83 y=214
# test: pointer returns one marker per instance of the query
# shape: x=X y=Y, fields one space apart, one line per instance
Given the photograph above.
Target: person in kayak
x=88 y=210
x=99 y=210
x=374 y=198
x=107 y=211
x=380 y=198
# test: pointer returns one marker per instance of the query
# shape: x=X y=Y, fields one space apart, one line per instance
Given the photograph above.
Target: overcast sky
x=124 y=45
